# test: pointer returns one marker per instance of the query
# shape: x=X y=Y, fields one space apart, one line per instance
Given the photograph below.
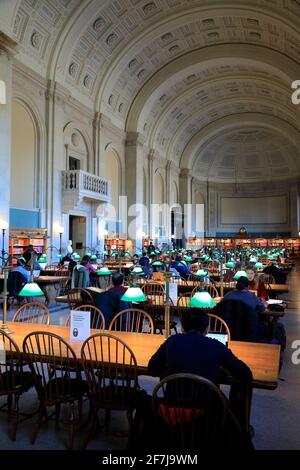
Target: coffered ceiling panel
x=132 y=61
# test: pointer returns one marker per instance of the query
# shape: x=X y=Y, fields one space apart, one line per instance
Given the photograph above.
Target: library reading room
x=149 y=227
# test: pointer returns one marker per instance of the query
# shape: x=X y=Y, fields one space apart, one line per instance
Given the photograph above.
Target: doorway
x=77 y=233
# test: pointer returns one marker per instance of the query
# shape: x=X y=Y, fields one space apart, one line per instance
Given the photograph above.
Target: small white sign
x=80 y=325
x=173 y=292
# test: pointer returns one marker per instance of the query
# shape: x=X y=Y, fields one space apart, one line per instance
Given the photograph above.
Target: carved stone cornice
x=56 y=92
x=106 y=125
x=172 y=167
x=8 y=46
x=151 y=155
x=135 y=138
x=24 y=76
x=186 y=173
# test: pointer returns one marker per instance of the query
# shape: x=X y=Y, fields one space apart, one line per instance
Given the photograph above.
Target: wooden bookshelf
x=117 y=244
x=245 y=242
x=20 y=239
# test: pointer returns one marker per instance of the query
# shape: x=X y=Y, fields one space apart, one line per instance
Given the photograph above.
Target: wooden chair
x=132 y=320
x=155 y=306
x=62 y=272
x=212 y=290
x=32 y=312
x=56 y=377
x=111 y=372
x=78 y=297
x=158 y=276
x=190 y=413
x=153 y=288
x=97 y=317
x=13 y=380
x=269 y=279
x=218 y=325
x=195 y=279
x=51 y=267
x=184 y=299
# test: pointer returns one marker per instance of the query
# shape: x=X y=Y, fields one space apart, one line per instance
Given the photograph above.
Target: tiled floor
x=275 y=414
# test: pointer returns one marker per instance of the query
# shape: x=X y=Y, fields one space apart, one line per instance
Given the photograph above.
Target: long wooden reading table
x=263 y=359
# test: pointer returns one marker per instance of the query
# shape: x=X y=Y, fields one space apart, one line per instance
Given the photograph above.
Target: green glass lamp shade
x=208 y=259
x=157 y=263
x=157 y=252
x=93 y=257
x=31 y=290
x=259 y=265
x=114 y=253
x=201 y=273
x=239 y=274
x=202 y=300
x=104 y=271
x=77 y=257
x=253 y=259
x=230 y=264
x=137 y=271
x=88 y=254
x=59 y=256
x=127 y=255
x=152 y=253
x=188 y=259
x=203 y=257
x=183 y=263
x=134 y=294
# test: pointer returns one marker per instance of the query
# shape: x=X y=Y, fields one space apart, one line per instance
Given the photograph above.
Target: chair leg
x=57 y=413
x=107 y=420
x=91 y=430
x=41 y=414
x=71 y=426
x=9 y=402
x=15 y=418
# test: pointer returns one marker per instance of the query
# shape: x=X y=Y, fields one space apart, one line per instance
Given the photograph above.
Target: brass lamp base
x=5 y=328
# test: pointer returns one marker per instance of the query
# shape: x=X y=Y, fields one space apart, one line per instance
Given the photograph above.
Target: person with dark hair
x=181 y=268
x=117 y=284
x=144 y=262
x=240 y=308
x=109 y=302
x=20 y=268
x=242 y=294
x=194 y=353
x=86 y=261
x=29 y=253
x=68 y=259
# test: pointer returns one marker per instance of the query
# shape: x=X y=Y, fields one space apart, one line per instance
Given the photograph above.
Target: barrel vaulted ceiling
x=177 y=71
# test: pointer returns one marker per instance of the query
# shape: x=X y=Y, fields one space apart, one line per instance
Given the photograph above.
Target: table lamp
x=202 y=300
x=134 y=294
x=31 y=289
x=259 y=265
x=137 y=271
x=239 y=274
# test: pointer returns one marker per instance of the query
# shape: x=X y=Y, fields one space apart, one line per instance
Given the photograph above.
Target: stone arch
x=203 y=137
x=188 y=63
x=78 y=145
x=39 y=145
